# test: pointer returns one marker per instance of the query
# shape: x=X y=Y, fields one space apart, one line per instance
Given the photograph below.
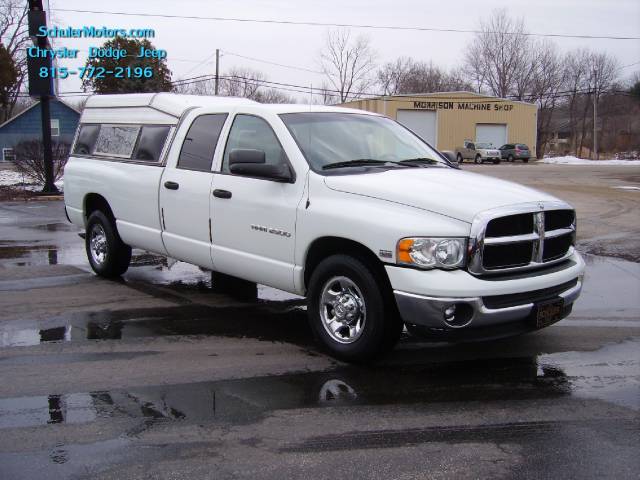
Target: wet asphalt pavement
x=156 y=376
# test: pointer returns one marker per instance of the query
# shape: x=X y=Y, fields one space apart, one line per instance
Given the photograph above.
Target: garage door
x=496 y=134
x=421 y=122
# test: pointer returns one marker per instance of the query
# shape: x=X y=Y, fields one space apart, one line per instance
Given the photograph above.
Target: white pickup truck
x=345 y=207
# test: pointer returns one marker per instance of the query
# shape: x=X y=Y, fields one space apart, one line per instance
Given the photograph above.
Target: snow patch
x=581 y=161
x=11 y=178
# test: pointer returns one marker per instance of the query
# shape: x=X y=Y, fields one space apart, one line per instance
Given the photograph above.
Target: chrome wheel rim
x=98 y=244
x=342 y=310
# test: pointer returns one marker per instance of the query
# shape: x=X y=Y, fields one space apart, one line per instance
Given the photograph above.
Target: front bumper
x=459 y=287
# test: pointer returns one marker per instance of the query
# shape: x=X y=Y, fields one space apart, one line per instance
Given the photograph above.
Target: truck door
x=254 y=219
x=185 y=189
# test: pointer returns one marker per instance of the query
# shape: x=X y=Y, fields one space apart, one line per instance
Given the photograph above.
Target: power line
x=346 y=25
x=303 y=69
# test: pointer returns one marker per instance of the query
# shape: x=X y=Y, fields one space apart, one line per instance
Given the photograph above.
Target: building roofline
x=7 y=122
x=438 y=94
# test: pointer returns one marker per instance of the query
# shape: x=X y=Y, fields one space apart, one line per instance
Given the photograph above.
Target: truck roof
x=175 y=104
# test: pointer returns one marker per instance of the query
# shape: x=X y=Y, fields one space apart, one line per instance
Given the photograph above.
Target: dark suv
x=515 y=151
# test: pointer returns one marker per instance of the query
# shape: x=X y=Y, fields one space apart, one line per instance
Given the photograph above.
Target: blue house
x=27 y=126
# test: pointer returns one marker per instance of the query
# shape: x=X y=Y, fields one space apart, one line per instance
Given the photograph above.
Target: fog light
x=458 y=315
x=449 y=312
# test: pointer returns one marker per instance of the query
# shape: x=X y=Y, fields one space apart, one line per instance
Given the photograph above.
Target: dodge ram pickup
x=345 y=207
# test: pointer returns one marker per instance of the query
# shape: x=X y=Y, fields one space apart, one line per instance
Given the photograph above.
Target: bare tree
x=238 y=82
x=405 y=75
x=14 y=35
x=497 y=54
x=392 y=75
x=348 y=63
x=577 y=82
x=543 y=85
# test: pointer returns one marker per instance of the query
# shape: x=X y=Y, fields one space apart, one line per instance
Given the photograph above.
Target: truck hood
x=446 y=191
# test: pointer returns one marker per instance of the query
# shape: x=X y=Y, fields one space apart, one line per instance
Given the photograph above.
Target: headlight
x=432 y=252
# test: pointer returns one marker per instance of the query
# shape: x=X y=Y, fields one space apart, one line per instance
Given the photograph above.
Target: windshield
x=327 y=138
x=484 y=145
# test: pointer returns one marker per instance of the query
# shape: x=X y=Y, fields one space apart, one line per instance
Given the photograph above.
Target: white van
x=346 y=207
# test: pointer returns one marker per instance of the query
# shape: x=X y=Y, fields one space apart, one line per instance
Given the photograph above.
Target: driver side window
x=254 y=133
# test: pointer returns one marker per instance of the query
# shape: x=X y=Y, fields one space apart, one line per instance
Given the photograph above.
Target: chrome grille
x=521 y=237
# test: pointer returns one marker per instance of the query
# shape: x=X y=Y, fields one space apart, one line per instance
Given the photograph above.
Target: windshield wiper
x=419 y=161
x=360 y=162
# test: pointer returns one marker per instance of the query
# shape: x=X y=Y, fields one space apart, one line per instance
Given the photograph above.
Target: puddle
x=611 y=374
x=611 y=290
x=249 y=400
x=283 y=321
x=53 y=227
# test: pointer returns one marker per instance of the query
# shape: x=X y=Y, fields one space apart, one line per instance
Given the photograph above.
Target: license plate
x=549 y=312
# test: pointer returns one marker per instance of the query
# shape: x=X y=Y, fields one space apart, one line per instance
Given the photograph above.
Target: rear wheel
x=108 y=256
x=460 y=159
x=496 y=161
x=351 y=313
x=525 y=160
x=478 y=159
x=510 y=158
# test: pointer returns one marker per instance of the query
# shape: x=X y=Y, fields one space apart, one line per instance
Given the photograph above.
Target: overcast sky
x=189 y=42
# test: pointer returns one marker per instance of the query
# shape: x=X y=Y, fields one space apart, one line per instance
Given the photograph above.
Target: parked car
x=478 y=152
x=515 y=151
x=345 y=207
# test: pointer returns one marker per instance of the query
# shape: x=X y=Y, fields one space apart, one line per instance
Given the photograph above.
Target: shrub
x=29 y=159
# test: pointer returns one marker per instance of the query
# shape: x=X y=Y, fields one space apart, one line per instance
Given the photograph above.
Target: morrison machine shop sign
x=489 y=106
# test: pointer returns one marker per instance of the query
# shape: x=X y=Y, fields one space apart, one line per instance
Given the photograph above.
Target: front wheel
x=351 y=313
x=460 y=159
x=108 y=255
x=510 y=158
x=478 y=159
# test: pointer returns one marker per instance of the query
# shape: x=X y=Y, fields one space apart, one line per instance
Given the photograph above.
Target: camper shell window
x=138 y=143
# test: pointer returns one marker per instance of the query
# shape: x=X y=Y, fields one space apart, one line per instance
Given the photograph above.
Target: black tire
x=478 y=159
x=381 y=328
x=116 y=255
x=496 y=161
x=510 y=158
x=525 y=160
x=460 y=158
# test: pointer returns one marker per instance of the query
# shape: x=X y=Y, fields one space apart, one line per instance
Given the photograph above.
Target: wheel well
x=95 y=201
x=327 y=246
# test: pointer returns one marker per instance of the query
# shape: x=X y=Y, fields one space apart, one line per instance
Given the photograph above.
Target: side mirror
x=245 y=155
x=451 y=157
x=251 y=163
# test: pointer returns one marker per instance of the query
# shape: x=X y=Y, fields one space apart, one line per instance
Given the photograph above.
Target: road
x=156 y=376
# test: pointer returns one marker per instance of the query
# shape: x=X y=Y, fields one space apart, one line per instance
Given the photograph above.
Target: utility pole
x=595 y=115
x=595 y=126
x=217 y=70
x=42 y=87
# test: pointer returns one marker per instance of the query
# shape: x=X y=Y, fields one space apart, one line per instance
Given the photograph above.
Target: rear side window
x=86 y=139
x=200 y=142
x=150 y=143
x=116 y=140
x=522 y=146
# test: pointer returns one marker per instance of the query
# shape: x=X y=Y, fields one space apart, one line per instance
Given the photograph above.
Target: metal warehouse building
x=447 y=119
